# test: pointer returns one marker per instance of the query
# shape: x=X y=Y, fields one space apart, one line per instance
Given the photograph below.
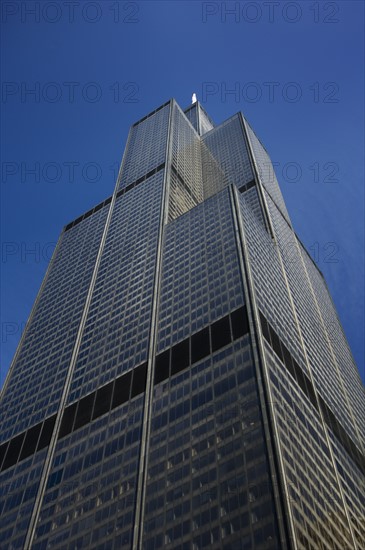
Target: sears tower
x=183 y=381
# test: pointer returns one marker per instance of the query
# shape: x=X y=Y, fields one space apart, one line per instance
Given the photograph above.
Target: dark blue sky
x=295 y=70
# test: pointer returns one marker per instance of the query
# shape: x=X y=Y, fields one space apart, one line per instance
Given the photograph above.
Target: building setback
x=183 y=381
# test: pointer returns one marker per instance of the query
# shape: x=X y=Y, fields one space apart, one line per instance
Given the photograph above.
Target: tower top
x=194 y=98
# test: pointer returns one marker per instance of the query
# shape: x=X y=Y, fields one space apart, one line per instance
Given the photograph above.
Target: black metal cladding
x=27 y=443
x=13 y=450
x=239 y=323
x=103 y=400
x=162 y=366
x=139 y=380
x=122 y=388
x=200 y=345
x=30 y=441
x=221 y=333
x=46 y=432
x=84 y=410
x=68 y=420
x=3 y=449
x=180 y=356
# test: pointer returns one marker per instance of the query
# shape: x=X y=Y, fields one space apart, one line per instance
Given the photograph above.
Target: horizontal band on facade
x=247 y=186
x=150 y=114
x=27 y=443
x=88 y=214
x=109 y=199
x=127 y=386
x=307 y=387
x=201 y=344
x=140 y=180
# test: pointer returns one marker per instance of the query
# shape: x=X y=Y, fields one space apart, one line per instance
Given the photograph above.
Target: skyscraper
x=183 y=380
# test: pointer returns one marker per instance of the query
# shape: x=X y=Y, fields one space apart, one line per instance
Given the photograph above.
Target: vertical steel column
x=146 y=421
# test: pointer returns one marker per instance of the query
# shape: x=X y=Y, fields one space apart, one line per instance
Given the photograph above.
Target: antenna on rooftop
x=194 y=99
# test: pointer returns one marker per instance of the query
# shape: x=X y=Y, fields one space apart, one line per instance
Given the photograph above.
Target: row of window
x=313 y=489
x=150 y=114
x=88 y=213
x=52 y=330
x=123 y=291
x=185 y=186
x=127 y=386
x=205 y=457
x=201 y=344
x=140 y=180
x=307 y=387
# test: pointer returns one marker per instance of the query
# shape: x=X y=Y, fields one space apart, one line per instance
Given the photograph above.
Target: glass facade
x=43 y=359
x=208 y=470
x=117 y=329
x=183 y=380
